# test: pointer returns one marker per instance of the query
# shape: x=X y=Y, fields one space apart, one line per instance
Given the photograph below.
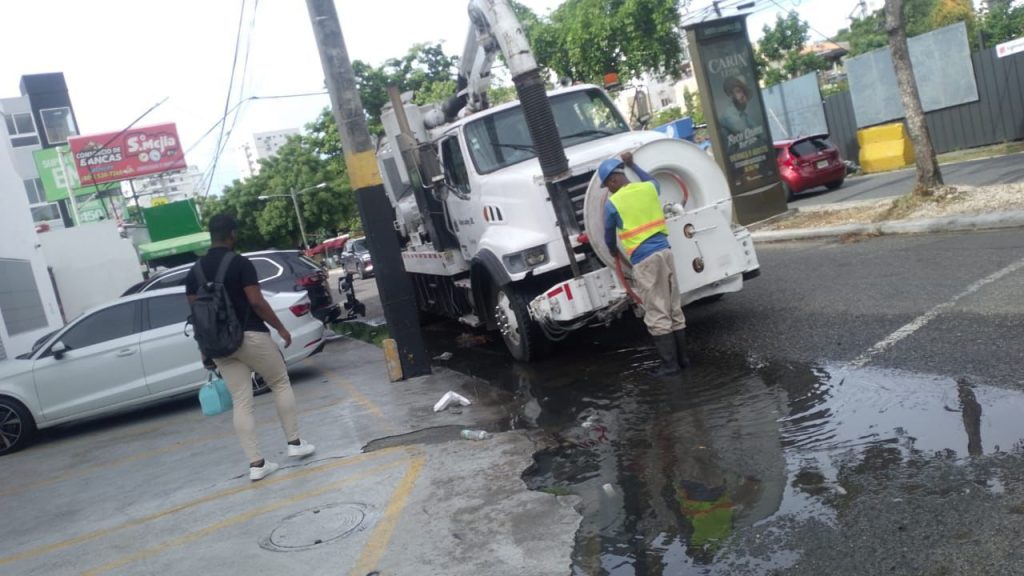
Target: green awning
x=197 y=242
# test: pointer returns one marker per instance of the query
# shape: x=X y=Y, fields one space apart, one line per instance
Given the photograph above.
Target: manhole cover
x=316 y=526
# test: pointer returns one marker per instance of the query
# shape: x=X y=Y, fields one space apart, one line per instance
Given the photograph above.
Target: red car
x=807 y=163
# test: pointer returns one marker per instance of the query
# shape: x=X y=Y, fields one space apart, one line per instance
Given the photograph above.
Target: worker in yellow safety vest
x=635 y=225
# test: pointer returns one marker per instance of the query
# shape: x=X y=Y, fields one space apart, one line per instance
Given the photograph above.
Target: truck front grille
x=576 y=187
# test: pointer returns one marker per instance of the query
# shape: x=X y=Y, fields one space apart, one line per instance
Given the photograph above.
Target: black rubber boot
x=666 y=346
x=680 y=338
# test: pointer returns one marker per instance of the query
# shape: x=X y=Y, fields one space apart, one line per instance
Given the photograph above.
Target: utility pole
x=718 y=10
x=298 y=214
x=395 y=288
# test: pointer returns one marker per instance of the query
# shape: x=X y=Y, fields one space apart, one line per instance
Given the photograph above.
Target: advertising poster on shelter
x=729 y=68
x=126 y=155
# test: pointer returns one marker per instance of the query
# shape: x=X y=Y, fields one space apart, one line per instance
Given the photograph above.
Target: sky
x=120 y=57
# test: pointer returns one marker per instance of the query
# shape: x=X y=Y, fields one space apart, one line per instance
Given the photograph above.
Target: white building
x=261 y=146
x=28 y=303
x=165 y=188
x=21 y=138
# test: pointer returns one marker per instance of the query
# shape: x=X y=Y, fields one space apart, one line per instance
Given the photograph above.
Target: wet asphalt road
x=1000 y=170
x=855 y=410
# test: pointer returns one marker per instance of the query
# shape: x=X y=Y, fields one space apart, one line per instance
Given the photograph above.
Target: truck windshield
x=502 y=139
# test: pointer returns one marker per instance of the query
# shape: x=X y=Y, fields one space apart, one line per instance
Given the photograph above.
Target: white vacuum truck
x=500 y=212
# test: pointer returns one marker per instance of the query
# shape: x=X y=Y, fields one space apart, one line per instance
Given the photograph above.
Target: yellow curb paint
x=352 y=391
x=90 y=536
x=233 y=520
x=381 y=535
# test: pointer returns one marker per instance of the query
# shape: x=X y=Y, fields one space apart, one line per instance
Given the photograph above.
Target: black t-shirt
x=240 y=273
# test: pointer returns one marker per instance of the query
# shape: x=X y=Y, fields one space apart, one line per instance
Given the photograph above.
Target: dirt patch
x=946 y=201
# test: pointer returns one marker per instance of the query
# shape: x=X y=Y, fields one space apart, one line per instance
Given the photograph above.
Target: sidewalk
x=952 y=209
x=392 y=487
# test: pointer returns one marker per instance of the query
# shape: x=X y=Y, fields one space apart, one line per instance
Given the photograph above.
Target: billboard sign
x=735 y=111
x=126 y=155
x=56 y=180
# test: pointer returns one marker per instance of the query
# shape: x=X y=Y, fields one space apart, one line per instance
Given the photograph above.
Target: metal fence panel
x=794 y=108
x=842 y=125
x=942 y=81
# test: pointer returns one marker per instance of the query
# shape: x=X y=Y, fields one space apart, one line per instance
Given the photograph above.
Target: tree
x=1000 y=21
x=781 y=53
x=946 y=12
x=929 y=176
x=303 y=162
x=424 y=67
x=693 y=106
x=585 y=39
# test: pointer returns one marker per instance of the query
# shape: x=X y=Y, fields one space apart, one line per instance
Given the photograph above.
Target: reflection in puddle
x=667 y=472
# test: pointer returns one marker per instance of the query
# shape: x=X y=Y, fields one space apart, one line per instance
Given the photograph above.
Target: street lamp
x=294 y=195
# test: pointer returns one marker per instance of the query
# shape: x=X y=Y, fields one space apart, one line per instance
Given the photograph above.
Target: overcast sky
x=121 y=56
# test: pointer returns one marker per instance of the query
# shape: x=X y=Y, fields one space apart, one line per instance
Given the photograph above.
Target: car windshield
x=502 y=139
x=359 y=245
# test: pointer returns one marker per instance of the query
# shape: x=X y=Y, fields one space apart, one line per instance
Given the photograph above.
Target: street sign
x=1009 y=48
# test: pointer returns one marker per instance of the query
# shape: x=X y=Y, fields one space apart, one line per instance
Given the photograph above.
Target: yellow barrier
x=885 y=147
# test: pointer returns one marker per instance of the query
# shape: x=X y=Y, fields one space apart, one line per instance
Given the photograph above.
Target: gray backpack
x=218 y=330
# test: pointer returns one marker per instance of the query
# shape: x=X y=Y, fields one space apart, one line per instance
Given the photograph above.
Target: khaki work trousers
x=259 y=354
x=655 y=281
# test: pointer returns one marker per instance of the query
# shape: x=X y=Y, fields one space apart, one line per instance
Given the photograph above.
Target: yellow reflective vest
x=642 y=217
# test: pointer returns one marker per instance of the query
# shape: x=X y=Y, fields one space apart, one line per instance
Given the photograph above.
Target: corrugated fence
x=997 y=116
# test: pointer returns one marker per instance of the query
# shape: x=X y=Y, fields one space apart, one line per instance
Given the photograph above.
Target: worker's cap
x=609 y=167
x=733 y=82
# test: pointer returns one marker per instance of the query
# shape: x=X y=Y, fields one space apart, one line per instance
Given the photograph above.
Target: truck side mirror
x=58 y=350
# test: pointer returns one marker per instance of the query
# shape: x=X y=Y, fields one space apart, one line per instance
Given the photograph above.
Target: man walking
x=635 y=225
x=257 y=351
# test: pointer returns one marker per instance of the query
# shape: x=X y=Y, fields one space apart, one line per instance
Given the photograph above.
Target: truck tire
x=523 y=337
x=17 y=428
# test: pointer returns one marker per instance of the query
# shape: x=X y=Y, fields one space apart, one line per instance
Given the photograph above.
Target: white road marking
x=919 y=322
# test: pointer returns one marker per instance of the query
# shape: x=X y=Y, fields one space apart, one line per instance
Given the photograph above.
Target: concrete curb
x=992 y=221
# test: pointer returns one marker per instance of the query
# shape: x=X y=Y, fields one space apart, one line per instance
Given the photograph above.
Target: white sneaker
x=303 y=449
x=262 y=472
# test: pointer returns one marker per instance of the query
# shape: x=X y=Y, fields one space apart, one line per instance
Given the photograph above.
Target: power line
x=231 y=82
x=223 y=145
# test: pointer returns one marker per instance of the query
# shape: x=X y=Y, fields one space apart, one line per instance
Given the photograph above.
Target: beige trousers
x=655 y=281
x=259 y=354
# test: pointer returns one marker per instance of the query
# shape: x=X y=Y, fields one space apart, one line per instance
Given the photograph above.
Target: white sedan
x=127 y=353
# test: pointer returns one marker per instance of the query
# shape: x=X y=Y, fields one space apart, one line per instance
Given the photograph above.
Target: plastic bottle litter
x=609 y=489
x=475 y=435
x=449 y=399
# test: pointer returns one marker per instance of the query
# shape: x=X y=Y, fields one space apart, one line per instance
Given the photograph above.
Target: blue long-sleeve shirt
x=613 y=221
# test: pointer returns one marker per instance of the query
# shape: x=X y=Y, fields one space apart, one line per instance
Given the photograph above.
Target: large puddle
x=669 y=470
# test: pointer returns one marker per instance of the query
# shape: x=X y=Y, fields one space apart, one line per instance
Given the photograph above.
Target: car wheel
x=17 y=429
x=835 y=185
x=259 y=385
x=523 y=337
x=362 y=271
x=788 y=191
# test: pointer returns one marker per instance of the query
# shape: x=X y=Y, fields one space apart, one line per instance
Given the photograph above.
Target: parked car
x=128 y=353
x=807 y=163
x=355 y=258
x=277 y=271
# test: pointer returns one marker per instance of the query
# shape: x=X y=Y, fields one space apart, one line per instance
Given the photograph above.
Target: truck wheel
x=523 y=337
x=17 y=429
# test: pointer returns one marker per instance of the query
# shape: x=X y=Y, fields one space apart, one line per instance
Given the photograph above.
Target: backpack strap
x=197 y=269
x=222 y=270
